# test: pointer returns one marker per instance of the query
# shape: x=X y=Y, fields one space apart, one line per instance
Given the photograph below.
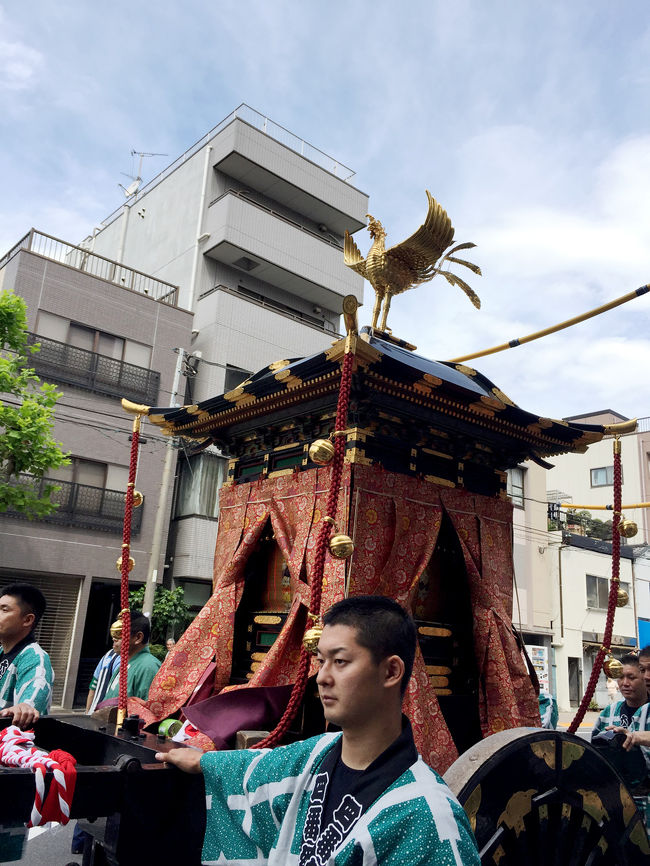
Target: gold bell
x=627 y=528
x=311 y=638
x=118 y=564
x=138 y=499
x=622 y=598
x=321 y=451
x=613 y=668
x=341 y=546
x=116 y=627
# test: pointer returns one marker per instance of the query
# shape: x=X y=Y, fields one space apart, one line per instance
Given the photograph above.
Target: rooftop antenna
x=133 y=187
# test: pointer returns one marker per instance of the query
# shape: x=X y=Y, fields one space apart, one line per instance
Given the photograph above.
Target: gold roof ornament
x=410 y=263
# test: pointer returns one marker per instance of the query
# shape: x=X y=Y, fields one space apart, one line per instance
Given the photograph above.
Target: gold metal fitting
x=138 y=499
x=118 y=564
x=116 y=627
x=311 y=637
x=627 y=528
x=613 y=668
x=341 y=546
x=321 y=451
x=622 y=598
x=329 y=520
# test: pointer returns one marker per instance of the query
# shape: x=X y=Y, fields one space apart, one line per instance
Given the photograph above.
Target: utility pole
x=159 y=525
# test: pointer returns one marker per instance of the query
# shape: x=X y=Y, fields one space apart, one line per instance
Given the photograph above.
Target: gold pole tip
x=134 y=408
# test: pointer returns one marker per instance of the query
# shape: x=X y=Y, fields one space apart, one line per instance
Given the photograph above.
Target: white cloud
x=19 y=62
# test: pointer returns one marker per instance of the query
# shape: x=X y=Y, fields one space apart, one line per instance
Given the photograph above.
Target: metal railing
x=264 y=124
x=97 y=266
x=81 y=505
x=70 y=365
x=249 y=199
x=643 y=425
x=276 y=307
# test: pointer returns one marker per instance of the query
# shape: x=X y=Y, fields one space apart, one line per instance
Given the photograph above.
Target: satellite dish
x=132 y=188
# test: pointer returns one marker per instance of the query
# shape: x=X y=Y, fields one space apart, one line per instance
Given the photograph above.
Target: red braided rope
x=613 y=594
x=322 y=540
x=124 y=586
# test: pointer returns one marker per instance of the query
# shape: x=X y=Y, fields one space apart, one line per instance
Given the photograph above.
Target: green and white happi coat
x=26 y=677
x=257 y=803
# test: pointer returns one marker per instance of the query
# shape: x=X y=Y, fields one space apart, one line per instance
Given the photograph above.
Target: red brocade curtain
x=294 y=504
x=484 y=527
x=396 y=523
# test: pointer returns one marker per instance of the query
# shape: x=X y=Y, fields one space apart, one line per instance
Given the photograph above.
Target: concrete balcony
x=289 y=177
x=257 y=241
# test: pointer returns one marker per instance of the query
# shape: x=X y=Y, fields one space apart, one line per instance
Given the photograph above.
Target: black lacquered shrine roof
x=391 y=378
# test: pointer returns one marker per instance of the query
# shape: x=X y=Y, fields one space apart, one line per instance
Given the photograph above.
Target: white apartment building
x=581 y=567
x=249 y=223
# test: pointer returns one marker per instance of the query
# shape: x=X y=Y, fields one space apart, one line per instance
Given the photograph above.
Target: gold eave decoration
x=278 y=365
x=243 y=411
x=466 y=371
x=545 y=444
x=364 y=356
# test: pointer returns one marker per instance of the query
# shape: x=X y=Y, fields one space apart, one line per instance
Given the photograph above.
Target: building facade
x=249 y=223
x=581 y=566
x=105 y=332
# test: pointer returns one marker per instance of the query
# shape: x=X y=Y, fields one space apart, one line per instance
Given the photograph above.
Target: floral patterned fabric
x=394 y=521
x=484 y=526
x=294 y=504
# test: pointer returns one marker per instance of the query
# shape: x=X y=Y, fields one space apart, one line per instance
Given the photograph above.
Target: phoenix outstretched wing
x=352 y=256
x=413 y=260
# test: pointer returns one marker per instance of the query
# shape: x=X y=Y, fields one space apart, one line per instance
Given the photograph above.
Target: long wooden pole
x=511 y=344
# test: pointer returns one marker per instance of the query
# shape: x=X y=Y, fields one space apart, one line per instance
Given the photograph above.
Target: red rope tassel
x=125 y=613
x=319 y=556
x=613 y=594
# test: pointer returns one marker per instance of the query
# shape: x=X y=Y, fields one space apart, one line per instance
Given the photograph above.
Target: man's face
x=644 y=667
x=632 y=686
x=14 y=622
x=117 y=645
x=350 y=684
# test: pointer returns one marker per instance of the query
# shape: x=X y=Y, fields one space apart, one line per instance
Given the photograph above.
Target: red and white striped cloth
x=17 y=750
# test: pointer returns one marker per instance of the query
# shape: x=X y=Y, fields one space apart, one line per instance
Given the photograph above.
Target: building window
x=602 y=477
x=598 y=592
x=234 y=377
x=199 y=481
x=516 y=486
x=90 y=495
x=92 y=340
x=84 y=357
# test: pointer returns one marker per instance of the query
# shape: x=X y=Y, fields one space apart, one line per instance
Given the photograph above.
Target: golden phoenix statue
x=416 y=260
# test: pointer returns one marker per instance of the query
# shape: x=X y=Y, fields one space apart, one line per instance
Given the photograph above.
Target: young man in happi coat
x=360 y=796
x=633 y=688
x=26 y=675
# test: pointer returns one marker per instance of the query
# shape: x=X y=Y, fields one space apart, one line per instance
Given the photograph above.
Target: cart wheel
x=543 y=797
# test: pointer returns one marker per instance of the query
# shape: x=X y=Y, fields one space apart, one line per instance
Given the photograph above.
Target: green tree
x=593 y=527
x=26 y=418
x=170 y=613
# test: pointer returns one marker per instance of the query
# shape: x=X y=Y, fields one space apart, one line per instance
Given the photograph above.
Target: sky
x=528 y=121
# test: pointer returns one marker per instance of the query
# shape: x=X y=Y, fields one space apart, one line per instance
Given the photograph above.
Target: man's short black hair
x=29 y=598
x=140 y=622
x=630 y=659
x=382 y=626
x=645 y=652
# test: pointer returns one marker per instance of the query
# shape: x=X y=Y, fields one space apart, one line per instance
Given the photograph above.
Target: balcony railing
x=264 y=124
x=83 y=506
x=69 y=365
x=97 y=266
